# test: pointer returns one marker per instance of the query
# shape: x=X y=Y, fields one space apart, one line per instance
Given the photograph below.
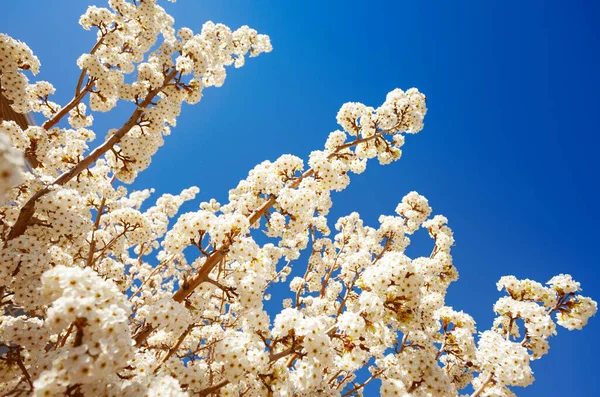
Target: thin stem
x=67 y=108
x=96 y=227
x=404 y=342
x=173 y=349
x=84 y=70
x=346 y=295
x=487 y=380
x=223 y=383
x=331 y=270
x=213 y=388
x=154 y=271
x=360 y=386
x=23 y=369
x=111 y=242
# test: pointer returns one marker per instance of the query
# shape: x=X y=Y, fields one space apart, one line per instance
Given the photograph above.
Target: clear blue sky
x=509 y=150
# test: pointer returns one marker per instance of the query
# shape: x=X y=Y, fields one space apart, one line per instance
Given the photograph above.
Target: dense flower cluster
x=11 y=161
x=15 y=58
x=101 y=295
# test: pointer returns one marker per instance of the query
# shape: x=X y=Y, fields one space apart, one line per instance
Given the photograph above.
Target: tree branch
x=366 y=382
x=29 y=208
x=483 y=385
x=223 y=383
x=23 y=369
x=187 y=288
x=92 y=52
x=216 y=256
x=213 y=388
x=173 y=349
x=90 y=258
x=67 y=108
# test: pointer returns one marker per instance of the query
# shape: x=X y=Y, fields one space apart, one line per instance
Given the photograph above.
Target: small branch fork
x=77 y=98
x=272 y=358
x=362 y=385
x=14 y=356
x=173 y=349
x=69 y=106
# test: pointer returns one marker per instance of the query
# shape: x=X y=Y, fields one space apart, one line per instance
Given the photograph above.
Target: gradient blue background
x=509 y=150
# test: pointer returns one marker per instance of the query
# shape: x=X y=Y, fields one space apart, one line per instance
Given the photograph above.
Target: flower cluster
x=11 y=162
x=415 y=210
x=239 y=353
x=401 y=112
x=16 y=57
x=91 y=314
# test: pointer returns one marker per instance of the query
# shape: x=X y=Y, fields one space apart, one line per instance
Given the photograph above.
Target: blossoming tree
x=100 y=297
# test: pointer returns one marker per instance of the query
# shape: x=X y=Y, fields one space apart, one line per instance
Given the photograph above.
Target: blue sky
x=508 y=153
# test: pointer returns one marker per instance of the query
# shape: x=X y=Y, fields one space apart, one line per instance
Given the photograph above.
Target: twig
x=24 y=370
x=483 y=385
x=67 y=108
x=366 y=382
x=96 y=227
x=152 y=273
x=173 y=349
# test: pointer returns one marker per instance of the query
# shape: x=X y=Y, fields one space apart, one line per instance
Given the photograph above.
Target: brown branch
x=23 y=369
x=67 y=108
x=213 y=388
x=96 y=227
x=277 y=276
x=29 y=208
x=343 y=380
x=84 y=70
x=487 y=380
x=334 y=377
x=308 y=268
x=142 y=334
x=415 y=384
x=30 y=155
x=25 y=215
x=154 y=271
x=229 y=291
x=509 y=329
x=366 y=382
x=79 y=324
x=62 y=342
x=357 y=141
x=404 y=342
x=346 y=295
x=111 y=243
x=331 y=270
x=290 y=361
x=386 y=247
x=173 y=349
x=223 y=383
